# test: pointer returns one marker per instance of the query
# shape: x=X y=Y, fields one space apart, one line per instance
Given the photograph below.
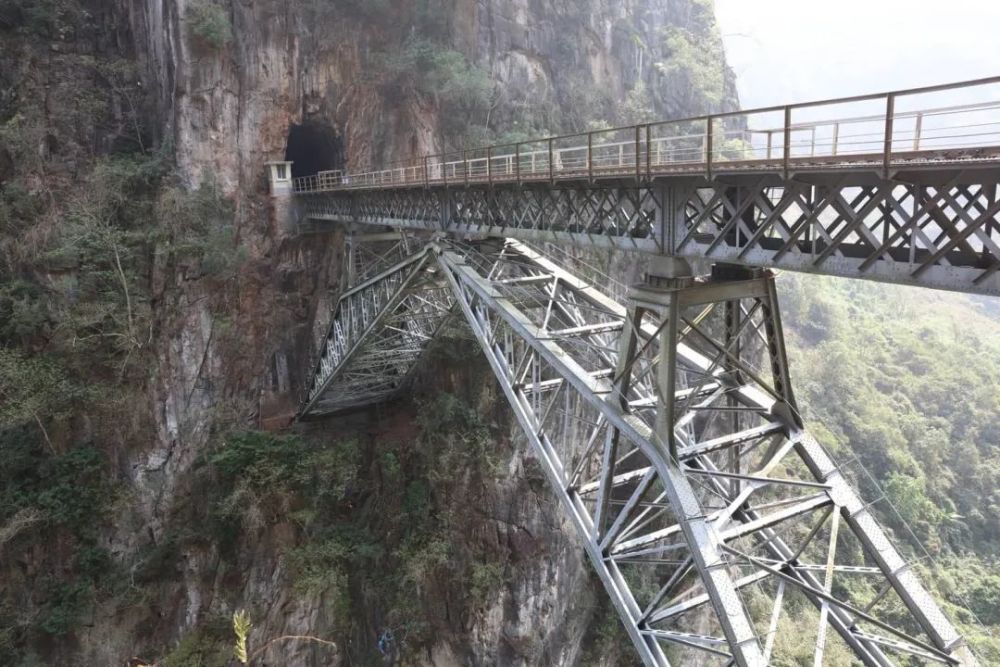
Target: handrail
x=937 y=111
x=721 y=141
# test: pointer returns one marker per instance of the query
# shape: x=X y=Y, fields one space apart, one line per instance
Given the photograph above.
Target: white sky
x=787 y=51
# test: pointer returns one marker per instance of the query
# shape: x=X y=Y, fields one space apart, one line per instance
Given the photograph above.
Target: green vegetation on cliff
x=374 y=520
x=887 y=374
x=94 y=228
x=903 y=385
x=209 y=24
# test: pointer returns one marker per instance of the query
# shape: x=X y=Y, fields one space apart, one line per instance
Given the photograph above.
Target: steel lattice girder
x=936 y=229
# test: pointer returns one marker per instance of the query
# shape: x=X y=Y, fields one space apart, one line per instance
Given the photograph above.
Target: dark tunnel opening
x=314 y=147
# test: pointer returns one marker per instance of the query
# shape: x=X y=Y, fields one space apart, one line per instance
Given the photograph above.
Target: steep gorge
x=153 y=307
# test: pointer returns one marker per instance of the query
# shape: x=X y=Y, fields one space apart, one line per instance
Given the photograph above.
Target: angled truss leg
x=669 y=431
x=394 y=305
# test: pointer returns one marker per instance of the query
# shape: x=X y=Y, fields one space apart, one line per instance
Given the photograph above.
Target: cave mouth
x=313 y=147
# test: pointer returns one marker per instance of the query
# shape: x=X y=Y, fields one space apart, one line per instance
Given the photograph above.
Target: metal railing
x=323 y=180
x=863 y=130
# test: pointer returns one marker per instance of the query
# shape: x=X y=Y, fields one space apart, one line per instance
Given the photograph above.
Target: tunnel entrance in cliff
x=312 y=147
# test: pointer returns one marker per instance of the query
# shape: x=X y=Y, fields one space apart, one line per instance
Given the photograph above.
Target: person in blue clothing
x=385 y=643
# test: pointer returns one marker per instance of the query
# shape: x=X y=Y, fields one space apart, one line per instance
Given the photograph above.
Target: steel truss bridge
x=663 y=412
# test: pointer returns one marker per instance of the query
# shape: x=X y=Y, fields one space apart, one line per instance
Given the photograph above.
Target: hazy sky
x=796 y=50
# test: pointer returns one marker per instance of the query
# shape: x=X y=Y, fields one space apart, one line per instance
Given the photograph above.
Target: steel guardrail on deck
x=860 y=131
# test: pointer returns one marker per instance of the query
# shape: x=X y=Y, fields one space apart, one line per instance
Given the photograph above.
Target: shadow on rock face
x=6 y=166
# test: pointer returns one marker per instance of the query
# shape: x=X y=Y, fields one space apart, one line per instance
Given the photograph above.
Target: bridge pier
x=283 y=204
x=725 y=329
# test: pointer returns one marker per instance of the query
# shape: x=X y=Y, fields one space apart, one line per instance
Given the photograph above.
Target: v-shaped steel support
x=668 y=429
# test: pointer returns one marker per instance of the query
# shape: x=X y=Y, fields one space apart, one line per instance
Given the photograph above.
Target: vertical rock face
x=230 y=109
x=352 y=69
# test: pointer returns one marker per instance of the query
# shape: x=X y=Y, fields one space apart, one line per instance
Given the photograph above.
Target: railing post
x=649 y=154
x=709 y=148
x=489 y=165
x=517 y=163
x=590 y=157
x=890 y=113
x=552 y=176
x=638 y=159
x=787 y=149
x=770 y=138
x=427 y=176
x=465 y=166
x=917 y=130
x=444 y=171
x=836 y=136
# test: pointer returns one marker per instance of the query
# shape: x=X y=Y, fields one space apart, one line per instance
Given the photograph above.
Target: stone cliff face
x=325 y=62
x=331 y=67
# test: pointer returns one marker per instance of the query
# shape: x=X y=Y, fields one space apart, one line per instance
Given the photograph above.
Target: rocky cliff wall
x=549 y=65
x=385 y=79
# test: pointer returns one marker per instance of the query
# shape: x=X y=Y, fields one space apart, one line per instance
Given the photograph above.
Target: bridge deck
x=901 y=187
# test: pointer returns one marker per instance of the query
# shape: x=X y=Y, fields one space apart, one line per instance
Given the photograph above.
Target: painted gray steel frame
x=933 y=227
x=488 y=311
x=381 y=327
x=579 y=368
x=492 y=314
